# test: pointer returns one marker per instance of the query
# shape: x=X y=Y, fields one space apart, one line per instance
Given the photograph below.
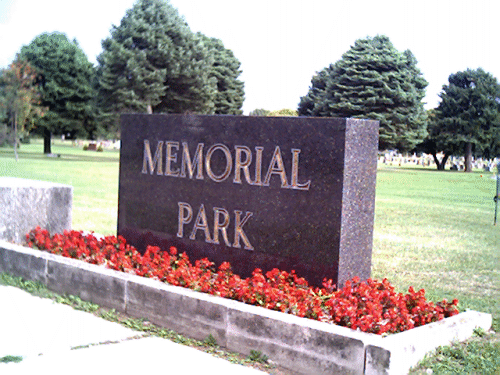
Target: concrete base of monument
x=27 y=203
x=304 y=346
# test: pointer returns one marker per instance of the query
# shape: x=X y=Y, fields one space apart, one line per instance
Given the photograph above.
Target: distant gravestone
x=259 y=192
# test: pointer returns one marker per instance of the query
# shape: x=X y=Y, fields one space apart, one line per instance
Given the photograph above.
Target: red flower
x=370 y=306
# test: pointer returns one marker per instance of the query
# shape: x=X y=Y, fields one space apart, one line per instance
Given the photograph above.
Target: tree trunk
x=468 y=157
x=440 y=164
x=15 y=138
x=46 y=141
x=436 y=160
x=149 y=109
x=445 y=159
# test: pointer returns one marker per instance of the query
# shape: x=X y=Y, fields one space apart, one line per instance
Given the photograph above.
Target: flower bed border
x=304 y=346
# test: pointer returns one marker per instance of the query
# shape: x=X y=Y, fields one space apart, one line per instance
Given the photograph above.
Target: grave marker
x=258 y=192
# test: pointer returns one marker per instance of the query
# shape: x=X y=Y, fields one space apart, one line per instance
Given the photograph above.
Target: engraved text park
x=239 y=164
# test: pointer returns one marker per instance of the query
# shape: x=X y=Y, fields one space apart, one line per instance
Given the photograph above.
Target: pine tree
x=64 y=79
x=153 y=62
x=468 y=116
x=226 y=70
x=373 y=80
x=311 y=104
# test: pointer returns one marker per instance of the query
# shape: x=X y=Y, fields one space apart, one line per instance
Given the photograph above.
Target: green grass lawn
x=93 y=175
x=433 y=230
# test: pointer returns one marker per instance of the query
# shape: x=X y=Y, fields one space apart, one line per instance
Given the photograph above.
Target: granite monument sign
x=259 y=192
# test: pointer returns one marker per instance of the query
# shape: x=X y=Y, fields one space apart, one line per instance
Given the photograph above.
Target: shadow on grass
x=9 y=154
x=422 y=169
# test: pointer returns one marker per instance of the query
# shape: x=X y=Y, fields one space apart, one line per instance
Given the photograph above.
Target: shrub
x=25 y=140
x=6 y=135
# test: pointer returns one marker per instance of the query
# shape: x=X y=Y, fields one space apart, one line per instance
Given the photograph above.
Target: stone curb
x=302 y=345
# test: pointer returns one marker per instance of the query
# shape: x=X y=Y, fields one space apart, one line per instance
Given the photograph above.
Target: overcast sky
x=282 y=43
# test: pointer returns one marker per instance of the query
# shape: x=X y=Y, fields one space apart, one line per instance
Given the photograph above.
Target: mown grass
x=93 y=175
x=433 y=230
x=478 y=355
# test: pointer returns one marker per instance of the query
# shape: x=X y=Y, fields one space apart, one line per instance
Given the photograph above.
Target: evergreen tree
x=153 y=62
x=312 y=104
x=468 y=116
x=226 y=70
x=373 y=80
x=64 y=79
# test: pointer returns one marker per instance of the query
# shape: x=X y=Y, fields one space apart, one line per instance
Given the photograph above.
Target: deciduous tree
x=283 y=112
x=64 y=80
x=436 y=142
x=19 y=98
x=467 y=119
x=259 y=112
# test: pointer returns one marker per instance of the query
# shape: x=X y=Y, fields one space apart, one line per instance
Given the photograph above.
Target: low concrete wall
x=28 y=203
x=302 y=345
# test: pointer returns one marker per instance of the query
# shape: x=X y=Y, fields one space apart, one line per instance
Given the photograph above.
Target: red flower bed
x=372 y=306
